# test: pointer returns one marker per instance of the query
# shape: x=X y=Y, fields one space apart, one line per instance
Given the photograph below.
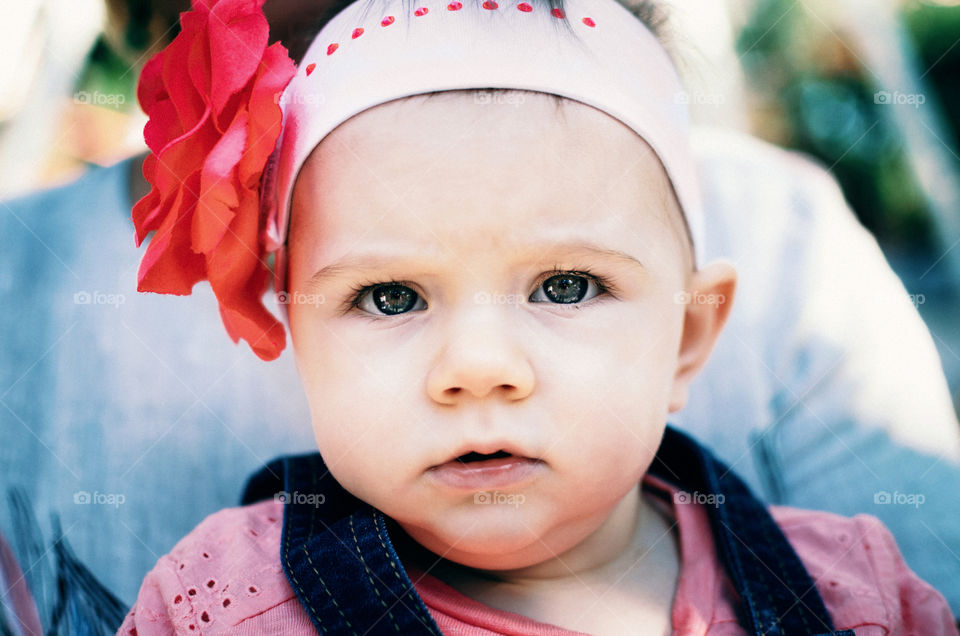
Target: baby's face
x=460 y=211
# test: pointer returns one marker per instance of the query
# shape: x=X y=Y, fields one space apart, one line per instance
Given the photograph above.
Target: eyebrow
x=358 y=263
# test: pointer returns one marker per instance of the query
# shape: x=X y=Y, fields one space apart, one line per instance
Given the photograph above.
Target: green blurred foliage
x=936 y=34
x=816 y=97
x=108 y=73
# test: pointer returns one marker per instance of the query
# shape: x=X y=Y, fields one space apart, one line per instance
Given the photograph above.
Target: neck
x=633 y=529
x=598 y=552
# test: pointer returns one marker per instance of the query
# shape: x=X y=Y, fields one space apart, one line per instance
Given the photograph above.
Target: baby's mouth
x=474 y=471
x=473 y=456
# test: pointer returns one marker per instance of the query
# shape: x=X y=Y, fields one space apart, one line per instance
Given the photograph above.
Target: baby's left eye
x=567 y=288
x=389 y=298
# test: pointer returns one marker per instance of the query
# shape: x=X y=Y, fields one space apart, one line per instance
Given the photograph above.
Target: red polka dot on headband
x=524 y=7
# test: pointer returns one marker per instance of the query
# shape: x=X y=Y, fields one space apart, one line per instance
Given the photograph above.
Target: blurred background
x=870 y=88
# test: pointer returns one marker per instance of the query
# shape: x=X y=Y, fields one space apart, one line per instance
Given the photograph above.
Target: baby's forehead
x=448 y=140
x=451 y=138
x=492 y=166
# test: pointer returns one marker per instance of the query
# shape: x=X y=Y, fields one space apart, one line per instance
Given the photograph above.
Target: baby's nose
x=481 y=352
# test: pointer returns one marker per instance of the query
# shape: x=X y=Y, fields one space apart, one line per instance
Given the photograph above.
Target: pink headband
x=362 y=59
x=607 y=59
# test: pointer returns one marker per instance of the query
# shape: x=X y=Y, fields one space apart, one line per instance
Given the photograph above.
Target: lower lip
x=491 y=473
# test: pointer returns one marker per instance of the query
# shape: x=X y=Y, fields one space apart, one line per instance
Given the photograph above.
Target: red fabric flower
x=211 y=97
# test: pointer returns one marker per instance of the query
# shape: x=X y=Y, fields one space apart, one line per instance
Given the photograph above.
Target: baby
x=485 y=229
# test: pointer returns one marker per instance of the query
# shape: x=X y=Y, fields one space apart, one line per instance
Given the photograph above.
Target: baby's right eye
x=389 y=298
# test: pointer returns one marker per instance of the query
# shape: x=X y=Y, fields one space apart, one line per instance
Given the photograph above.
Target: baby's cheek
x=609 y=453
x=330 y=437
x=360 y=456
x=356 y=473
x=620 y=461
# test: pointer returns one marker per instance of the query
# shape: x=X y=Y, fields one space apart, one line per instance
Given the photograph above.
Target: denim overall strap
x=777 y=596
x=337 y=555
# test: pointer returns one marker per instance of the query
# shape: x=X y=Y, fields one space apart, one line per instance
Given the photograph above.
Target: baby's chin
x=488 y=545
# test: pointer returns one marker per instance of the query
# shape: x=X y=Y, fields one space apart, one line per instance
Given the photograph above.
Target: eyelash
x=605 y=287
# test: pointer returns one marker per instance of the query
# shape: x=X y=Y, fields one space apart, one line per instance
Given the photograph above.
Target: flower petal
x=218 y=192
x=239 y=276
x=214 y=121
x=169 y=266
x=265 y=115
x=237 y=41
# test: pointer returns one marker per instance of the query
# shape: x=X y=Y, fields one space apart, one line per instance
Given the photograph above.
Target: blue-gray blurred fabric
x=133 y=416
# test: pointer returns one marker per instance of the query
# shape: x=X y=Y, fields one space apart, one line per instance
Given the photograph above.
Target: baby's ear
x=708 y=299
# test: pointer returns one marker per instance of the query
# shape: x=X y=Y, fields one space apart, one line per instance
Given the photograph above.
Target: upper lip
x=488 y=448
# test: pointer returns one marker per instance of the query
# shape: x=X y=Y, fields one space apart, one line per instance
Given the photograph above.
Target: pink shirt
x=226 y=577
